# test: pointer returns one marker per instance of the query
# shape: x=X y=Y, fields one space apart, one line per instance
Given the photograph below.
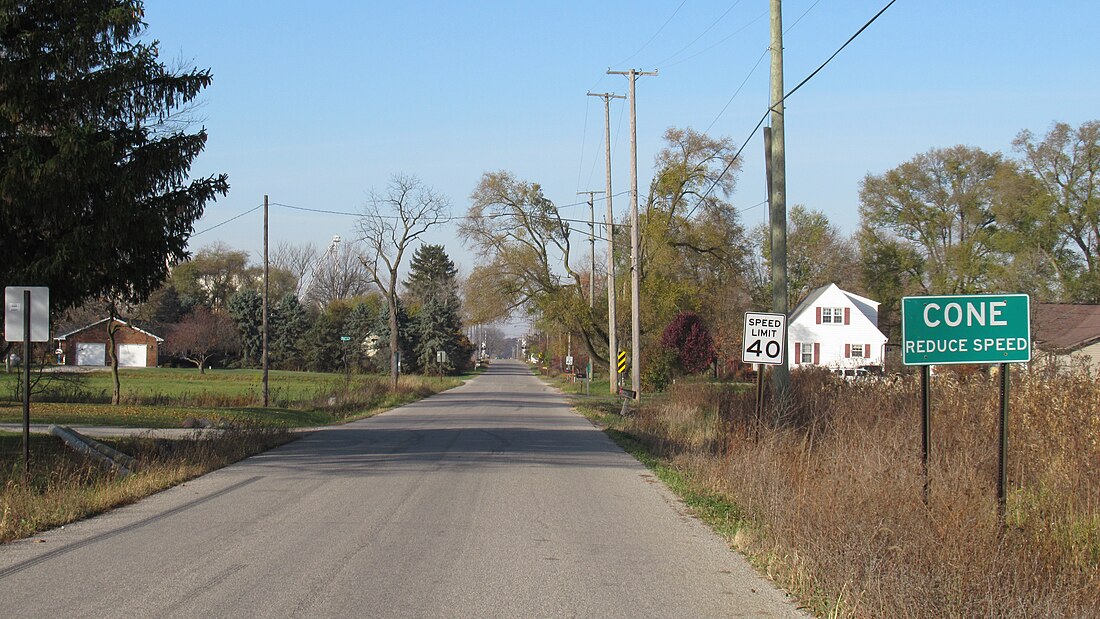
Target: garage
x=132 y=355
x=91 y=354
x=88 y=345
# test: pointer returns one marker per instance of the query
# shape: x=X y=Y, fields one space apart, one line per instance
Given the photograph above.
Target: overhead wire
x=701 y=35
x=234 y=218
x=655 y=34
x=785 y=97
x=716 y=43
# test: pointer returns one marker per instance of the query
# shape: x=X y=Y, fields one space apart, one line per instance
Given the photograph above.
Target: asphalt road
x=490 y=500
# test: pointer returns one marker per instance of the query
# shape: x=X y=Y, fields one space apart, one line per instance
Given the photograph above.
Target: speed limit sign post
x=764 y=340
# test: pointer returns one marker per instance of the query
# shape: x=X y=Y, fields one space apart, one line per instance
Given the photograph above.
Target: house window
x=857 y=351
x=832 y=315
x=806 y=353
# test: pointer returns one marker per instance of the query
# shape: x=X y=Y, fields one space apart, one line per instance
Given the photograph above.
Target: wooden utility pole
x=592 y=245
x=263 y=352
x=635 y=275
x=612 y=339
x=591 y=271
x=781 y=376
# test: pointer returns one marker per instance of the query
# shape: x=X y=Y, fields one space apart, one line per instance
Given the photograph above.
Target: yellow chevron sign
x=622 y=361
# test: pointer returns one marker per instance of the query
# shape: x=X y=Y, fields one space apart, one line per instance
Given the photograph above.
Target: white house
x=835 y=329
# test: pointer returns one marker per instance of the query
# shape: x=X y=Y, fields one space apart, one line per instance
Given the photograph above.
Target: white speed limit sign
x=765 y=336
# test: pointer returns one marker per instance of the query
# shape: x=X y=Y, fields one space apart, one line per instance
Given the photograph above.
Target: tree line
x=948 y=221
x=210 y=311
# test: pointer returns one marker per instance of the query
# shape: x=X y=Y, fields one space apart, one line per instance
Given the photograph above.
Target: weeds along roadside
x=824 y=493
x=64 y=487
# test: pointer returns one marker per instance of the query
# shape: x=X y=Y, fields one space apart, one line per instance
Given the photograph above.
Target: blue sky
x=316 y=103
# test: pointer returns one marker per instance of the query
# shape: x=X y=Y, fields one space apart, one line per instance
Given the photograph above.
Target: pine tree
x=94 y=155
x=246 y=309
x=433 y=283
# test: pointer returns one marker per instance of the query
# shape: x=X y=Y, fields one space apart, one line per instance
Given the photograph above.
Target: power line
x=701 y=34
x=804 y=13
x=792 y=91
x=717 y=43
x=317 y=210
x=738 y=91
x=216 y=226
x=584 y=141
x=659 y=30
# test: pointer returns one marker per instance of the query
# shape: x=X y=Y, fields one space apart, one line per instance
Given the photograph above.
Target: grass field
x=166 y=397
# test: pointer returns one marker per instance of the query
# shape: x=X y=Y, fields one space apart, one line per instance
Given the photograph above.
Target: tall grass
x=64 y=487
x=829 y=487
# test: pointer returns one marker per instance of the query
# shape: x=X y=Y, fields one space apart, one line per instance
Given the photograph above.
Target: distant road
x=489 y=500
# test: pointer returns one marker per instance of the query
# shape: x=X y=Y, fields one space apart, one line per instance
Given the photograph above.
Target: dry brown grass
x=65 y=487
x=830 y=486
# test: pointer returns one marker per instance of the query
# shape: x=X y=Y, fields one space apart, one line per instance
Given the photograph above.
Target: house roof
x=1065 y=326
x=99 y=322
x=864 y=304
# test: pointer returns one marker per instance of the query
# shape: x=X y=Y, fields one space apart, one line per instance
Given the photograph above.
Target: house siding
x=832 y=341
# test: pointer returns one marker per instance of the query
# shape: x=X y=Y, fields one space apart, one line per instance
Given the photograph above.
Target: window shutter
x=866 y=351
x=847 y=315
x=847 y=350
x=819 y=315
x=797 y=353
x=817 y=353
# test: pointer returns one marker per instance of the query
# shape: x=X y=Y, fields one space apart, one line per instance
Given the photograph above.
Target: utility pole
x=592 y=246
x=612 y=338
x=591 y=272
x=263 y=353
x=781 y=376
x=635 y=276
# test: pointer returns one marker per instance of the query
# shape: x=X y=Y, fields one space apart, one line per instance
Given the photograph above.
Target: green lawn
x=165 y=397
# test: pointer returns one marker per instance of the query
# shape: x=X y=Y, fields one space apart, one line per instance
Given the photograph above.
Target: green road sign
x=954 y=329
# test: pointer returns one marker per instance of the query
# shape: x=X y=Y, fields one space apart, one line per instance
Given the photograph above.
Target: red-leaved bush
x=690 y=339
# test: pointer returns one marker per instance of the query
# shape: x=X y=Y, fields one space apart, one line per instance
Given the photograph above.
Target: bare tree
x=298 y=260
x=525 y=245
x=339 y=274
x=391 y=222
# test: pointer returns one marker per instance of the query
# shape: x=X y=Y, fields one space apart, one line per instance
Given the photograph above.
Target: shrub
x=689 y=338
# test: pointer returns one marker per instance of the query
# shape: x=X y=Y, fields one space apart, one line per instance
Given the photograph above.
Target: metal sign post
x=27 y=319
x=967 y=329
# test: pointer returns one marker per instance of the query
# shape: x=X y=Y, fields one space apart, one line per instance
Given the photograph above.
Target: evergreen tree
x=94 y=158
x=407 y=337
x=359 y=326
x=432 y=274
x=322 y=345
x=438 y=326
x=246 y=309
x=288 y=323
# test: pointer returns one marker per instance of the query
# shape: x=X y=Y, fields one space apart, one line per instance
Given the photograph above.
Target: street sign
x=441 y=356
x=40 y=313
x=765 y=338
x=955 y=329
x=569 y=360
x=622 y=361
x=345 y=338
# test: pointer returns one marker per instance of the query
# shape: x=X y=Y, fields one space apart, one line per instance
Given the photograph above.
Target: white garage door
x=91 y=354
x=131 y=355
